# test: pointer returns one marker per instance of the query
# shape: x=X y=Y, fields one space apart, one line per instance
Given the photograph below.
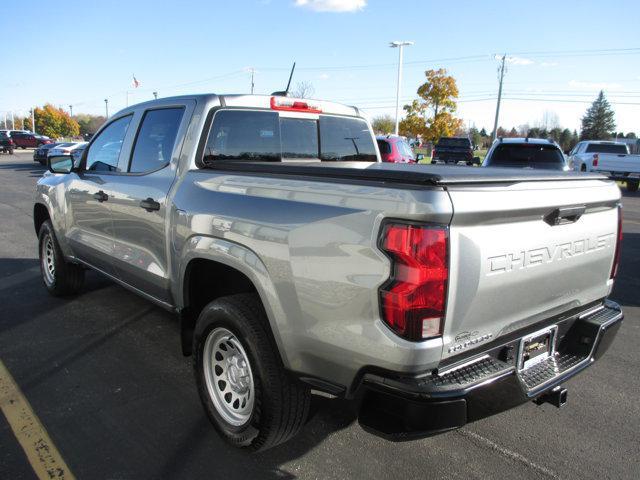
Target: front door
x=90 y=229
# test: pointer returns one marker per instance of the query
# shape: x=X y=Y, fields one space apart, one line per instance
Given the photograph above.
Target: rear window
x=265 y=136
x=527 y=155
x=606 y=148
x=454 y=142
x=404 y=148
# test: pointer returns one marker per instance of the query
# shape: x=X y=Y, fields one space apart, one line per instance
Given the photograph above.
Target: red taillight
x=616 y=255
x=596 y=157
x=293 y=105
x=413 y=301
x=433 y=153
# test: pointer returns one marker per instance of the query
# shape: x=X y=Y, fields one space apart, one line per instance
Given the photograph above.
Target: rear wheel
x=583 y=168
x=632 y=186
x=59 y=276
x=249 y=397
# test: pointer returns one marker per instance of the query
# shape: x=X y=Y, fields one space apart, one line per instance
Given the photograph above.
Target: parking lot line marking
x=509 y=453
x=44 y=457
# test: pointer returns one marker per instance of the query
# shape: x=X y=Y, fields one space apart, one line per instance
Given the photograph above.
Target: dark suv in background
x=535 y=153
x=453 y=150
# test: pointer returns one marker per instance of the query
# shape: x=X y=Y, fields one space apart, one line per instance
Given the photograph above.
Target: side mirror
x=476 y=161
x=60 y=164
x=419 y=157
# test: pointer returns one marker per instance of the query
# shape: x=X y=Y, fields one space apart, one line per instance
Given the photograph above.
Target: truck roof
x=535 y=141
x=251 y=101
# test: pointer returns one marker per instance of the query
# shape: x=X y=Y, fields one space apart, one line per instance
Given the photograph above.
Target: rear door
x=139 y=203
x=512 y=266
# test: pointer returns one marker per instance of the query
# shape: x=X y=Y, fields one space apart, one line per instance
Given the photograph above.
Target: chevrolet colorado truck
x=608 y=158
x=297 y=262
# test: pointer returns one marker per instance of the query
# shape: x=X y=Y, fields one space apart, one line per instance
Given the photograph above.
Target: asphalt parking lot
x=104 y=374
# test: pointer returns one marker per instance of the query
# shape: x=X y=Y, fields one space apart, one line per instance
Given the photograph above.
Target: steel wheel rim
x=228 y=376
x=48 y=260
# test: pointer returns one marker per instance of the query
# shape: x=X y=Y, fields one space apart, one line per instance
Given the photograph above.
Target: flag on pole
x=135 y=83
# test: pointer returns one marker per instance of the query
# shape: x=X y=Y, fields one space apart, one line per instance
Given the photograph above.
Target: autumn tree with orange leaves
x=431 y=115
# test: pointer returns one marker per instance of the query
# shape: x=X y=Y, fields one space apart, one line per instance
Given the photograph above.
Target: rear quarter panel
x=311 y=249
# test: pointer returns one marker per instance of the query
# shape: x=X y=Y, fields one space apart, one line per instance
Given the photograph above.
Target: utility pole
x=253 y=71
x=33 y=119
x=495 y=123
x=71 y=110
x=106 y=107
x=13 y=121
x=155 y=95
x=399 y=45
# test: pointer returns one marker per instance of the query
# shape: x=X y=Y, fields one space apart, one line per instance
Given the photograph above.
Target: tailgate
x=509 y=268
x=610 y=162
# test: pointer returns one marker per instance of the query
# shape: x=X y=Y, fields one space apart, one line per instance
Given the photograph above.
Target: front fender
x=50 y=192
x=245 y=261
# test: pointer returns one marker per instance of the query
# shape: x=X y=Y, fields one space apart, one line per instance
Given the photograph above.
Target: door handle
x=564 y=215
x=101 y=196
x=150 y=205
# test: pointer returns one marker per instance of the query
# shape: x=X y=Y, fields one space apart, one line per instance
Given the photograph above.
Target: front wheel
x=249 y=397
x=59 y=276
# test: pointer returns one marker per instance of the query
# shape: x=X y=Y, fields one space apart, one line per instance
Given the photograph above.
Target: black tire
x=65 y=278
x=583 y=168
x=632 y=186
x=280 y=403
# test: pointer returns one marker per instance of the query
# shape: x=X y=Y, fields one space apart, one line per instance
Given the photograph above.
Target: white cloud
x=579 y=85
x=548 y=64
x=519 y=61
x=332 y=5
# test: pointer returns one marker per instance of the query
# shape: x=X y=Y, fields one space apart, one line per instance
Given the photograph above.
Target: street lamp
x=399 y=45
x=106 y=107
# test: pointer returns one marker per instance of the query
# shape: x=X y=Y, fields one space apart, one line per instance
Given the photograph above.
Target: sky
x=560 y=54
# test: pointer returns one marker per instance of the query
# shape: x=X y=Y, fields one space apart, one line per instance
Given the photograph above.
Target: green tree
x=631 y=135
x=565 y=140
x=89 y=124
x=476 y=137
x=598 y=122
x=431 y=115
x=383 y=124
x=55 y=122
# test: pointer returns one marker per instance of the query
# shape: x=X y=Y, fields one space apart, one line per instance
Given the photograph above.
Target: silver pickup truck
x=297 y=262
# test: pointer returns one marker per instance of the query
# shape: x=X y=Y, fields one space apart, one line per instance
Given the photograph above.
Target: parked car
x=40 y=154
x=6 y=143
x=454 y=150
x=395 y=149
x=533 y=153
x=66 y=148
x=610 y=158
x=28 y=140
x=296 y=260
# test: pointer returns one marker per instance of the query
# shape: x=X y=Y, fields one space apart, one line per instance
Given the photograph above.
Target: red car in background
x=395 y=149
x=28 y=140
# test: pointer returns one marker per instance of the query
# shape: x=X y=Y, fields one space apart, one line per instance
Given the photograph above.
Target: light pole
x=71 y=110
x=495 y=122
x=106 y=107
x=155 y=95
x=399 y=45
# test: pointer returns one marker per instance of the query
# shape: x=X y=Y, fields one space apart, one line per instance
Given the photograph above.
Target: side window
x=155 y=140
x=104 y=152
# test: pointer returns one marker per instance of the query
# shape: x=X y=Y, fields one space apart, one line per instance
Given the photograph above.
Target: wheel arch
x=205 y=262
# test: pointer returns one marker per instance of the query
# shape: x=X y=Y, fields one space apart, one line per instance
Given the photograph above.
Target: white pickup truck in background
x=611 y=158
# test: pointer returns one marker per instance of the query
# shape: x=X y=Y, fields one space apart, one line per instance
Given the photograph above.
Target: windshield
x=265 y=136
x=523 y=155
x=618 y=148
